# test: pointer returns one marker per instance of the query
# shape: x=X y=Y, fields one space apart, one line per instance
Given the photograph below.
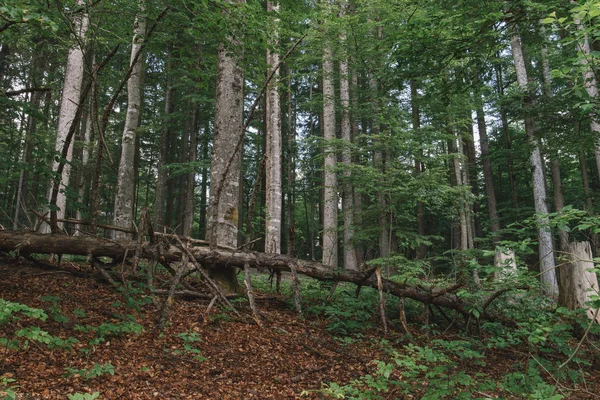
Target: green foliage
x=7 y=389
x=55 y=311
x=189 y=338
x=9 y=308
x=34 y=333
x=94 y=372
x=83 y=396
x=106 y=330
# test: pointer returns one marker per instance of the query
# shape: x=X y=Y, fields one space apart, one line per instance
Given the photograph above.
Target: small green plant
x=83 y=396
x=106 y=330
x=189 y=338
x=55 y=311
x=94 y=372
x=35 y=334
x=8 y=309
x=7 y=390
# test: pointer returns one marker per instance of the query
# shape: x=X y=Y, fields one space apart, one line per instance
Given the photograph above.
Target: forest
x=360 y=199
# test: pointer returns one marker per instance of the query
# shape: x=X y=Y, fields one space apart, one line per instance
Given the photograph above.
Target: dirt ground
x=231 y=359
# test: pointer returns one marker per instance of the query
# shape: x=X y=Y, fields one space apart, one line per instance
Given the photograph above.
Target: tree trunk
x=591 y=85
x=126 y=180
x=347 y=191
x=419 y=167
x=488 y=176
x=330 y=194
x=71 y=94
x=190 y=193
x=224 y=200
x=546 y=248
x=507 y=139
x=161 y=181
x=578 y=281
x=273 y=144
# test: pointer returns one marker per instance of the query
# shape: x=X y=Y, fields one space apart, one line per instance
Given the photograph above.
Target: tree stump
x=578 y=281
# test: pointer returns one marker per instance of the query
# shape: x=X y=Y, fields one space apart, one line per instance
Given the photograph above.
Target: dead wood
x=95 y=247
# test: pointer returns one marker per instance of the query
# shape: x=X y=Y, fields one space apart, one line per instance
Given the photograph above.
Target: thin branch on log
x=98 y=265
x=214 y=288
x=296 y=284
x=164 y=314
x=381 y=301
x=250 y=294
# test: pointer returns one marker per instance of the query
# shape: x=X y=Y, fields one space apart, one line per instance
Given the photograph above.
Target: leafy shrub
x=94 y=372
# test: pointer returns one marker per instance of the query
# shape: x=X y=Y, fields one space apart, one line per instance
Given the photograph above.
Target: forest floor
x=197 y=356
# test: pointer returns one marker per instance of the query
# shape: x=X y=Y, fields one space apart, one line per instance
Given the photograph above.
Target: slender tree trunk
x=346 y=135
x=190 y=193
x=273 y=144
x=585 y=181
x=506 y=129
x=71 y=94
x=419 y=167
x=487 y=171
x=546 y=247
x=330 y=194
x=591 y=85
x=126 y=179
x=204 y=185
x=357 y=200
x=161 y=181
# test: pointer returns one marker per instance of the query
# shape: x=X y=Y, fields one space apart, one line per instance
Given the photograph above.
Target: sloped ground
x=198 y=356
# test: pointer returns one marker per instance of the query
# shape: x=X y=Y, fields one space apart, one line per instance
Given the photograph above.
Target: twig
x=296 y=284
x=213 y=287
x=250 y=294
x=381 y=302
x=169 y=300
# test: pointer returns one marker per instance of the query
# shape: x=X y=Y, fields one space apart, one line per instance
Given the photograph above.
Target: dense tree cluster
x=424 y=135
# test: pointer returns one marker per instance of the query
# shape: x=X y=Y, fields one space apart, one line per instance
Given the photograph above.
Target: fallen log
x=94 y=247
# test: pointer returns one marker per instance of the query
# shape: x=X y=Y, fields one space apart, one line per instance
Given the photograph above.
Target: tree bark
x=578 y=281
x=350 y=261
x=591 y=85
x=224 y=199
x=488 y=176
x=546 y=247
x=330 y=194
x=126 y=180
x=273 y=144
x=161 y=181
x=71 y=94
x=28 y=243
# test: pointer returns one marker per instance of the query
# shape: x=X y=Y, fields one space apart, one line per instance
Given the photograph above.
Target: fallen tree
x=168 y=249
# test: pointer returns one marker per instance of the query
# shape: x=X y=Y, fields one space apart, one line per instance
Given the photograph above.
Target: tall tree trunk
x=126 y=179
x=347 y=191
x=330 y=194
x=357 y=201
x=591 y=85
x=506 y=129
x=559 y=199
x=188 y=207
x=161 y=181
x=71 y=94
x=273 y=144
x=419 y=167
x=488 y=176
x=546 y=247
x=204 y=185
x=224 y=200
